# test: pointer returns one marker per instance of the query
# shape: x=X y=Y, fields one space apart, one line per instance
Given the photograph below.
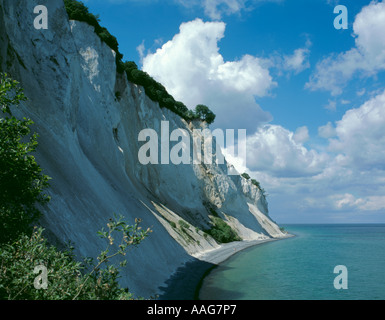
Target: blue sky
x=311 y=97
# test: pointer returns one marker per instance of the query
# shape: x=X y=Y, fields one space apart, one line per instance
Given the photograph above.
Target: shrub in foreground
x=66 y=278
x=21 y=179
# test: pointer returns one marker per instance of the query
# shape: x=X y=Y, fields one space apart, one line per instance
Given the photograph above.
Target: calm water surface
x=302 y=267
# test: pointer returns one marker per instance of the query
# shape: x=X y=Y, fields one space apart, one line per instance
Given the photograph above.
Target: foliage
x=67 y=278
x=154 y=90
x=21 y=178
x=184 y=224
x=256 y=183
x=131 y=236
x=245 y=175
x=222 y=232
x=76 y=10
x=18 y=261
x=21 y=250
x=204 y=113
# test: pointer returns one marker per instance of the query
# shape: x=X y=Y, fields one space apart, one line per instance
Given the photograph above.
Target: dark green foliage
x=256 y=183
x=67 y=278
x=245 y=175
x=127 y=67
x=213 y=212
x=76 y=10
x=204 y=113
x=184 y=224
x=21 y=178
x=158 y=93
x=19 y=260
x=222 y=232
x=21 y=250
x=154 y=90
x=181 y=108
x=210 y=208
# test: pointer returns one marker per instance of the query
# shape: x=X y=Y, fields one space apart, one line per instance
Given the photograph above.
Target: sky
x=311 y=96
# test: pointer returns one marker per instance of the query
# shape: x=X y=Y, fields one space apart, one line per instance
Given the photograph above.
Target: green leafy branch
x=132 y=236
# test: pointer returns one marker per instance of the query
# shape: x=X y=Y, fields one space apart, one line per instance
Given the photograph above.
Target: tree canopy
x=204 y=113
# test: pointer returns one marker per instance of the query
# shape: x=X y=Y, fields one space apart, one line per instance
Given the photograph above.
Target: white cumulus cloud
x=327 y=131
x=192 y=69
x=360 y=135
x=367 y=57
x=280 y=152
x=301 y=135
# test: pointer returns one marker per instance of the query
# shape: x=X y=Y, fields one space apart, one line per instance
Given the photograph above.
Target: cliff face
x=88 y=144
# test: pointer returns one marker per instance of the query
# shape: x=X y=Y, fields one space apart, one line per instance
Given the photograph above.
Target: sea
x=321 y=262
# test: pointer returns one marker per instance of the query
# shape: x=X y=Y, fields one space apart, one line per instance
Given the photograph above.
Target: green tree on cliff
x=204 y=113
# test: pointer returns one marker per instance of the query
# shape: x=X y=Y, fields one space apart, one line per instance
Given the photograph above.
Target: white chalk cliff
x=88 y=145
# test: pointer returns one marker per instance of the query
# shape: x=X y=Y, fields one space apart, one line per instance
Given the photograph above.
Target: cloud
x=327 y=131
x=331 y=106
x=192 y=69
x=141 y=49
x=338 y=183
x=374 y=203
x=360 y=135
x=280 y=153
x=348 y=201
x=301 y=135
x=298 y=61
x=214 y=9
x=367 y=57
x=217 y=9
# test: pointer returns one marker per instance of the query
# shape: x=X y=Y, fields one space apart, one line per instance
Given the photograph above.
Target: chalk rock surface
x=88 y=118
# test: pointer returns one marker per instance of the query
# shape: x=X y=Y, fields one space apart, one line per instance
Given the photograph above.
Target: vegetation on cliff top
x=254 y=182
x=76 y=10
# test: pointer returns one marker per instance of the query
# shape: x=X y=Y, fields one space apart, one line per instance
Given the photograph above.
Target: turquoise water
x=301 y=268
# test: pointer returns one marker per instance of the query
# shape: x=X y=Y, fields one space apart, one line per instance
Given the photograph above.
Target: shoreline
x=186 y=282
x=227 y=250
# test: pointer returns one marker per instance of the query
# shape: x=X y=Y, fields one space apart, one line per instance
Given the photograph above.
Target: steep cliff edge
x=88 y=144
